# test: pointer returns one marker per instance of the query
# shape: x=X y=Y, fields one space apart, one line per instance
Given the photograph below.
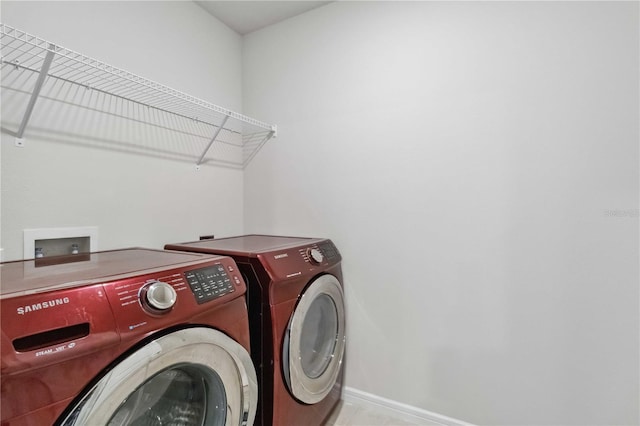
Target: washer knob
x=315 y=256
x=160 y=296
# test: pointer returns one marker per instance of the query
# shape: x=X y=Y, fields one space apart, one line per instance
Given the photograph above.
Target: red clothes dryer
x=297 y=322
x=125 y=337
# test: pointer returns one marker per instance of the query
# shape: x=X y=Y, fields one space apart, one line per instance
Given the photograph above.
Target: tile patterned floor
x=349 y=414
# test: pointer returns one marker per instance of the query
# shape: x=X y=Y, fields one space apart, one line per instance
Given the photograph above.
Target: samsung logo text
x=42 y=305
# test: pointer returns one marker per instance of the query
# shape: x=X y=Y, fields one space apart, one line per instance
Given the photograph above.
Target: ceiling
x=246 y=16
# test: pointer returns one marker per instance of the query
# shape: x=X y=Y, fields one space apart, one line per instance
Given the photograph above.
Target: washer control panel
x=209 y=283
x=158 y=297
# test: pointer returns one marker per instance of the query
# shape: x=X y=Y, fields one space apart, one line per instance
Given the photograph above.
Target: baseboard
x=397 y=409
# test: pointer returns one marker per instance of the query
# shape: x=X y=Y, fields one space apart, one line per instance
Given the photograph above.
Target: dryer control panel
x=303 y=260
x=320 y=252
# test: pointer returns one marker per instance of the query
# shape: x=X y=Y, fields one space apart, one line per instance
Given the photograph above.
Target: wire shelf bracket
x=232 y=139
x=36 y=90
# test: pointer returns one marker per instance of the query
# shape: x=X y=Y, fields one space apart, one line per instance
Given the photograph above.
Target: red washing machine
x=297 y=323
x=125 y=337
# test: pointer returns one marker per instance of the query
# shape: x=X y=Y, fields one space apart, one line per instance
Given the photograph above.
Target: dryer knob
x=315 y=256
x=160 y=296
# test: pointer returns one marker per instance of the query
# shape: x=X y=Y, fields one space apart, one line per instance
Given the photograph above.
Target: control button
x=315 y=256
x=211 y=282
x=160 y=296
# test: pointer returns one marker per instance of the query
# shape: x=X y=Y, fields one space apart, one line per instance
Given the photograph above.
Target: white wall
x=477 y=165
x=140 y=199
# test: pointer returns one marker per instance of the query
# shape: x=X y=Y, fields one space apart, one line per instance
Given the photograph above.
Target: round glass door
x=191 y=377
x=185 y=395
x=315 y=340
x=318 y=337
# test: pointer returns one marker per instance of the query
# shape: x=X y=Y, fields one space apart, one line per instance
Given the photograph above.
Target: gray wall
x=142 y=198
x=477 y=165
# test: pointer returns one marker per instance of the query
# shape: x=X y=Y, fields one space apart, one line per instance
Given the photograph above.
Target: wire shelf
x=62 y=80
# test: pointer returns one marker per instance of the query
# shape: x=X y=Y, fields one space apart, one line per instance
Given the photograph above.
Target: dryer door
x=196 y=376
x=314 y=345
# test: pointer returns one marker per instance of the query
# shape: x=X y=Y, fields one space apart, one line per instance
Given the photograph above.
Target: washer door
x=196 y=376
x=314 y=345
